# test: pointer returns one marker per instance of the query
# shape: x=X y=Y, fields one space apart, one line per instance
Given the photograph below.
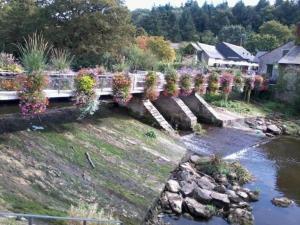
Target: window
x=284 y=52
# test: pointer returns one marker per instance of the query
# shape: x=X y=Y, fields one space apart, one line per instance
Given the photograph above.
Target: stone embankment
x=203 y=187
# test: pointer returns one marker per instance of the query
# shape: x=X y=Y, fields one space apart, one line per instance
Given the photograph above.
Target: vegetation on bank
x=130 y=168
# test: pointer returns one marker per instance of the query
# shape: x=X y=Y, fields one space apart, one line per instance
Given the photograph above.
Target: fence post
x=84 y=222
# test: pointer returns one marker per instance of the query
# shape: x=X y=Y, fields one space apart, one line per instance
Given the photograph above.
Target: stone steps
x=158 y=117
x=186 y=110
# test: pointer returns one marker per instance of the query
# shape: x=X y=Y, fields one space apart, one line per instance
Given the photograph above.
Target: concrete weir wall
x=202 y=109
x=176 y=112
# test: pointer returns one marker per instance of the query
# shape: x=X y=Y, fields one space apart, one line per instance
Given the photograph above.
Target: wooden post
x=84 y=223
x=30 y=221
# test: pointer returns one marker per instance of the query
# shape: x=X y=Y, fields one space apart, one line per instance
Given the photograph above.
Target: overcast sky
x=134 y=4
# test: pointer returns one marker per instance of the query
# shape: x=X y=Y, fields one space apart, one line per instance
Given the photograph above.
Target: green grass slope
x=46 y=171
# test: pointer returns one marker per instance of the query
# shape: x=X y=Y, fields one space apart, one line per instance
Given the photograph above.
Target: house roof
x=292 y=57
x=240 y=51
x=258 y=55
x=210 y=50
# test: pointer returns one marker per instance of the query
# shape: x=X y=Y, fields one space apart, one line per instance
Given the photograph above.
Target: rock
x=196 y=209
x=205 y=183
x=173 y=186
x=202 y=195
x=221 y=179
x=239 y=216
x=282 y=202
x=274 y=129
x=253 y=196
x=175 y=201
x=223 y=198
x=245 y=205
x=242 y=194
x=232 y=176
x=270 y=135
x=236 y=187
x=263 y=128
x=233 y=197
x=187 y=188
x=188 y=167
x=195 y=158
x=184 y=175
x=220 y=188
x=164 y=201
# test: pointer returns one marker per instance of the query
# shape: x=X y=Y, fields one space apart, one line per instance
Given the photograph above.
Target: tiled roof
x=292 y=57
x=210 y=50
x=240 y=51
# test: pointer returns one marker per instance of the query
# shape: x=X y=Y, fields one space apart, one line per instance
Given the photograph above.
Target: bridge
x=62 y=85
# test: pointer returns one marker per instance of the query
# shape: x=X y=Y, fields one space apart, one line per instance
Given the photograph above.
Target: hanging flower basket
x=186 y=85
x=121 y=88
x=200 y=84
x=151 y=82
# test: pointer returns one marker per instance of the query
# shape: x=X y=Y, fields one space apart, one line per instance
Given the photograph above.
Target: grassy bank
x=46 y=171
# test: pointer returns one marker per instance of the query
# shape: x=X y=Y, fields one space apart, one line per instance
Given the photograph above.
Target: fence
x=85 y=221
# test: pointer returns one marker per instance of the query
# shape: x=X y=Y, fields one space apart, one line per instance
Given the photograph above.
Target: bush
x=151 y=91
x=197 y=129
x=226 y=83
x=61 y=60
x=85 y=93
x=90 y=211
x=121 y=88
x=8 y=63
x=186 y=85
x=200 y=81
x=213 y=83
x=171 y=87
x=249 y=86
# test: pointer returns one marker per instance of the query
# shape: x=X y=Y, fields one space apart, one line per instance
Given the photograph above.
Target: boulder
x=233 y=197
x=223 y=198
x=205 y=183
x=184 y=175
x=188 y=167
x=173 y=186
x=195 y=158
x=187 y=188
x=274 y=129
x=196 y=209
x=239 y=216
x=220 y=188
x=253 y=196
x=282 y=202
x=221 y=179
x=175 y=201
x=242 y=194
x=164 y=201
x=202 y=195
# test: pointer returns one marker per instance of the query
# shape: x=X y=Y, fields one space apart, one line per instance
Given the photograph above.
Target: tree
x=258 y=42
x=276 y=29
x=187 y=26
x=208 y=37
x=234 y=34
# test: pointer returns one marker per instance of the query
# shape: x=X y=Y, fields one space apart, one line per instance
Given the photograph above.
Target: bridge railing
x=31 y=218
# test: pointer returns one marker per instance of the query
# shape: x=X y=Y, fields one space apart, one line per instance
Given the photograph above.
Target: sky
x=135 y=4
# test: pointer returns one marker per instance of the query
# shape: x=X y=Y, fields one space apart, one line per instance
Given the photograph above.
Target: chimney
x=298 y=34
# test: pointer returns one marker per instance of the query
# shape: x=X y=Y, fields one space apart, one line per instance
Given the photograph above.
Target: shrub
x=90 y=211
x=8 y=63
x=200 y=82
x=61 y=59
x=226 y=83
x=33 y=57
x=32 y=98
x=34 y=53
x=238 y=82
x=171 y=87
x=186 y=84
x=151 y=134
x=85 y=93
x=198 y=129
x=249 y=86
x=213 y=83
x=121 y=88
x=258 y=82
x=151 y=91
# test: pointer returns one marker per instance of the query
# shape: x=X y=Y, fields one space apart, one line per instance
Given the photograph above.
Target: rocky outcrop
x=282 y=202
x=191 y=191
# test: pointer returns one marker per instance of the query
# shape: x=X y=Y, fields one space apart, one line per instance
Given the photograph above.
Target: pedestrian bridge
x=62 y=85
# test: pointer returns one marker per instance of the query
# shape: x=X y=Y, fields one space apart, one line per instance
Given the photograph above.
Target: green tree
x=276 y=29
x=162 y=49
x=234 y=34
x=208 y=37
x=258 y=42
x=187 y=26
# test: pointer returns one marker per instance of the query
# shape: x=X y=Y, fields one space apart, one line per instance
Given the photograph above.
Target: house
x=224 y=55
x=268 y=62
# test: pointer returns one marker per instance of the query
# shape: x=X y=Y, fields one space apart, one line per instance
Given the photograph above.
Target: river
x=275 y=165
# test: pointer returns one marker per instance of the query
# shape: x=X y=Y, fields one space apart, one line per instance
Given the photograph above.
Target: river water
x=275 y=165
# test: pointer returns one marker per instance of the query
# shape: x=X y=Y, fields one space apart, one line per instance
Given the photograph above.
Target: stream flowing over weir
x=274 y=163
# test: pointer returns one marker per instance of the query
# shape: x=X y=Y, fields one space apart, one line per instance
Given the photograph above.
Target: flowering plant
x=171 y=88
x=258 y=82
x=32 y=98
x=249 y=86
x=200 y=81
x=226 y=83
x=186 y=85
x=151 y=92
x=8 y=63
x=121 y=88
x=213 y=83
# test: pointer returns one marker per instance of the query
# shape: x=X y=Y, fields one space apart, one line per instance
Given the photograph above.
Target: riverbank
x=45 y=170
